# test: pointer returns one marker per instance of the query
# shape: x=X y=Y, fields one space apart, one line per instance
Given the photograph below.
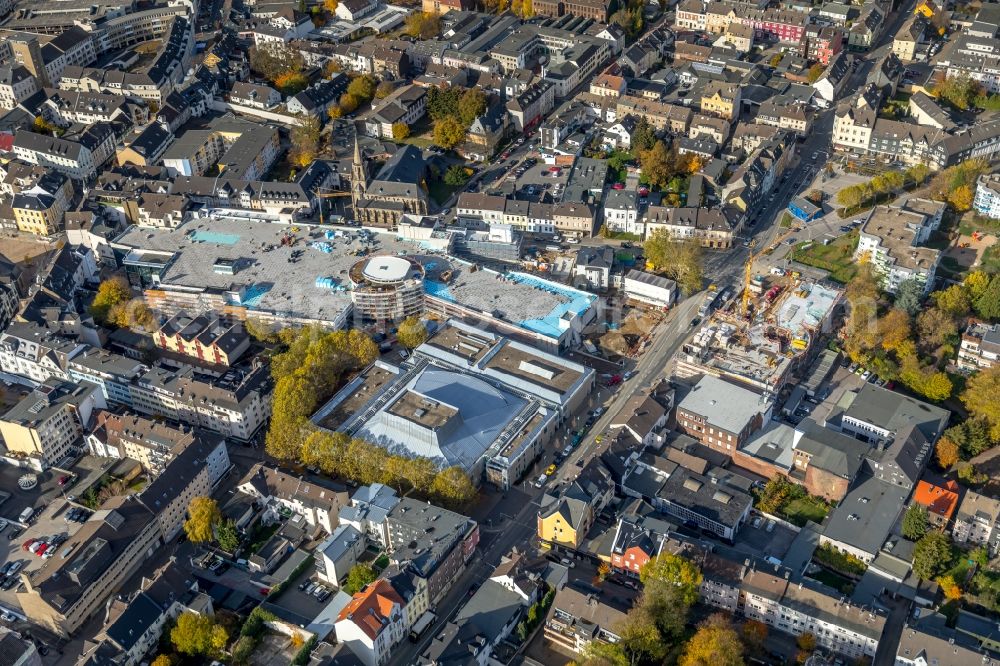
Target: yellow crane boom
x=748 y=269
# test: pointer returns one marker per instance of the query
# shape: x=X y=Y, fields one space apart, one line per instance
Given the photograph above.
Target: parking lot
x=756 y=539
x=539 y=179
x=50 y=527
x=301 y=602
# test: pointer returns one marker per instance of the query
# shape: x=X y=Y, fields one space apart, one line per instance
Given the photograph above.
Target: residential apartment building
x=924 y=644
x=980 y=346
x=188 y=474
x=940 y=500
x=721 y=99
x=338 y=554
x=317 y=502
x=94 y=563
x=204 y=337
x=634 y=546
x=235 y=404
x=78 y=154
x=714 y=227
x=32 y=351
x=621 y=212
x=372 y=623
x=809 y=607
x=987 y=200
x=40 y=209
x=565 y=519
x=47 y=423
x=16 y=85
x=579 y=618
x=892 y=239
x=241 y=149
x=431 y=542
x=977 y=522
x=113 y=373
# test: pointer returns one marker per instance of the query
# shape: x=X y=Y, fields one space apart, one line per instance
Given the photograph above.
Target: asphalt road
x=666 y=339
x=505 y=531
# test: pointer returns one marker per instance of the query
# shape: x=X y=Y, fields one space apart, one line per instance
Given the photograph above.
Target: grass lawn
x=833 y=580
x=836 y=257
x=440 y=191
x=800 y=510
x=623 y=236
x=421 y=134
x=261 y=535
x=991 y=260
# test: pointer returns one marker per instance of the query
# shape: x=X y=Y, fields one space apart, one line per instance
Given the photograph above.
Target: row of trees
x=887 y=182
x=956 y=185
x=680 y=260
x=523 y=8
x=886 y=337
x=964 y=92
x=306 y=374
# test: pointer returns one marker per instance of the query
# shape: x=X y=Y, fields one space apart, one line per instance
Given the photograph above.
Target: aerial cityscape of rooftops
x=500 y=332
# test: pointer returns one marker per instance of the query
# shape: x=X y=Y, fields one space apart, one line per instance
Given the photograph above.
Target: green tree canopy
x=411 y=333
x=453 y=486
x=198 y=635
x=673 y=570
x=448 y=132
x=456 y=175
x=987 y=305
x=362 y=87
x=915 y=522
x=681 y=260
x=471 y=105
x=227 y=535
x=932 y=555
x=111 y=292
x=358 y=578
x=715 y=643
x=203 y=515
x=980 y=398
x=909 y=294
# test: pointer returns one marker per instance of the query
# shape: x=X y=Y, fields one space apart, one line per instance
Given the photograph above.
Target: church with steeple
x=399 y=188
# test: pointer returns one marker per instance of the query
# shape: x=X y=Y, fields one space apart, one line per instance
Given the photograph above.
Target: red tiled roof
x=371 y=607
x=940 y=500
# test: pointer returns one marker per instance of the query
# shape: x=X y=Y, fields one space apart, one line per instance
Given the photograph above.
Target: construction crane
x=748 y=269
x=331 y=194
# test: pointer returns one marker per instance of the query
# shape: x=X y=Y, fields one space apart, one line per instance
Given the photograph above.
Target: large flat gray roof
x=865 y=517
x=725 y=404
x=893 y=411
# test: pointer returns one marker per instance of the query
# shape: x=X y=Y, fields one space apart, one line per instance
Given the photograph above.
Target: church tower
x=359 y=177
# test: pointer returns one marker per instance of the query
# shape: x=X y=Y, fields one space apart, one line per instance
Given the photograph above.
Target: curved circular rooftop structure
x=386 y=269
x=387 y=287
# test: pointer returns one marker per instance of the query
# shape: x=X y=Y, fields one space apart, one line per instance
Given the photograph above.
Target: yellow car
x=550 y=470
x=599 y=439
